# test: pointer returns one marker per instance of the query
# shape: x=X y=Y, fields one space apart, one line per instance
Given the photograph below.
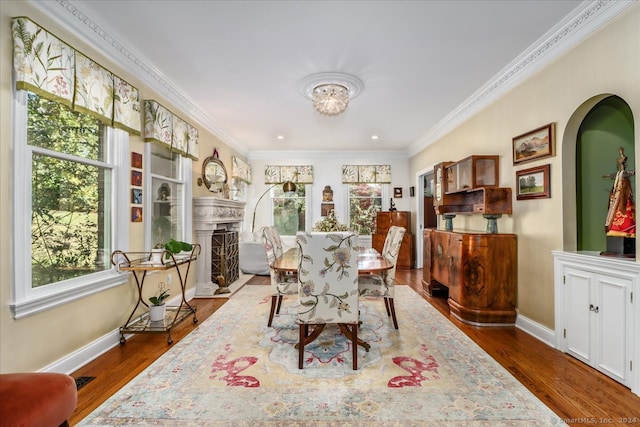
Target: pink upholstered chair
x=328 y=290
x=281 y=284
x=383 y=285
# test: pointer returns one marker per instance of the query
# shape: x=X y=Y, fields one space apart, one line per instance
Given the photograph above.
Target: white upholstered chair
x=383 y=285
x=281 y=284
x=328 y=291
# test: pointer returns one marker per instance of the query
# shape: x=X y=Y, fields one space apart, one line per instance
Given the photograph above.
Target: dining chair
x=375 y=285
x=328 y=291
x=281 y=283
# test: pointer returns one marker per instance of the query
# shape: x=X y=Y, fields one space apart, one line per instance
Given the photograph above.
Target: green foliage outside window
x=289 y=211
x=68 y=230
x=365 y=201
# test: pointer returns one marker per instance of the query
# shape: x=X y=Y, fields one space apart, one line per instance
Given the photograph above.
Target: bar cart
x=141 y=263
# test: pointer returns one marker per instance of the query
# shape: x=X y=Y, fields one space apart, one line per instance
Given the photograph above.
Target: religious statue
x=621 y=216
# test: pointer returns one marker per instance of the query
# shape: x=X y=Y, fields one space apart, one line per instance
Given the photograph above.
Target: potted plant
x=175 y=246
x=156 y=253
x=330 y=223
x=158 y=308
x=171 y=247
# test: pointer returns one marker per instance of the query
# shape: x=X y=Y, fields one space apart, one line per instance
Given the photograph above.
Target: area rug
x=233 y=370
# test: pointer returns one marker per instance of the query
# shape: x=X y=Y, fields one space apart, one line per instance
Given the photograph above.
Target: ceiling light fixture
x=331 y=92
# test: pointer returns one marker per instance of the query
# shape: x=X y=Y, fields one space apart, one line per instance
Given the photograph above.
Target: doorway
x=425 y=212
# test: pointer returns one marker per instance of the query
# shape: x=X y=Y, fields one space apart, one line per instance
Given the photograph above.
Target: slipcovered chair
x=373 y=285
x=281 y=284
x=328 y=290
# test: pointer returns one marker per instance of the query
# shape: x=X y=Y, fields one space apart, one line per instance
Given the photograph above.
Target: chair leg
x=304 y=329
x=389 y=301
x=386 y=305
x=273 y=309
x=279 y=304
x=354 y=344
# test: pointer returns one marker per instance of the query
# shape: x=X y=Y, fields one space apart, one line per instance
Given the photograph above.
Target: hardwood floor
x=575 y=392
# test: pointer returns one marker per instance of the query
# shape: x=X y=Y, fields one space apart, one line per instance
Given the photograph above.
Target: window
x=66 y=180
x=168 y=171
x=289 y=210
x=365 y=200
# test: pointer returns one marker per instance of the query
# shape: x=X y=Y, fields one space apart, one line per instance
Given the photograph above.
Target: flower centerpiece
x=330 y=223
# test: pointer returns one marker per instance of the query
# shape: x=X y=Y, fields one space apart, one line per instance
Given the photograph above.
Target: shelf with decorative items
x=470 y=186
x=140 y=264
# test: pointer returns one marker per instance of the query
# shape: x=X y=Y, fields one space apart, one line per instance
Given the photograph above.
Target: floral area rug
x=233 y=370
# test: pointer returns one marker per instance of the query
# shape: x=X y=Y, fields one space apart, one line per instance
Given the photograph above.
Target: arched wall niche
x=569 y=168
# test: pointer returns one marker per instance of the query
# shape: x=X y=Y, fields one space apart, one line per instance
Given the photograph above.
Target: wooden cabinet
x=595 y=312
x=472 y=172
x=480 y=271
x=470 y=186
x=384 y=220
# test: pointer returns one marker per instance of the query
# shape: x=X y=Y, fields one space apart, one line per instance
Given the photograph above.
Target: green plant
x=175 y=246
x=160 y=297
x=330 y=223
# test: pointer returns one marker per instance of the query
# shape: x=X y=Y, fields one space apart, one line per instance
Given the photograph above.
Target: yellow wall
x=608 y=62
x=37 y=341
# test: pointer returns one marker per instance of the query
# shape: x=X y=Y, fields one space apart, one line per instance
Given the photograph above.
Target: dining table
x=369 y=262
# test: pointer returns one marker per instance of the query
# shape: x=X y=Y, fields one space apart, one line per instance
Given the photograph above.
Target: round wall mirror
x=214 y=174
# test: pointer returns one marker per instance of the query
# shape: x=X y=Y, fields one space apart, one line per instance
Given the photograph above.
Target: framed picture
x=326 y=208
x=136 y=214
x=136 y=160
x=412 y=191
x=397 y=192
x=136 y=178
x=136 y=196
x=534 y=145
x=533 y=183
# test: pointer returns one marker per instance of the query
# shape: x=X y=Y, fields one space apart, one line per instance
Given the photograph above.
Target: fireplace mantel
x=209 y=214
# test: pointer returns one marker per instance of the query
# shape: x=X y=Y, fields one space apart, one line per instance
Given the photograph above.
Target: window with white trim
x=67 y=207
x=169 y=175
x=289 y=210
x=365 y=201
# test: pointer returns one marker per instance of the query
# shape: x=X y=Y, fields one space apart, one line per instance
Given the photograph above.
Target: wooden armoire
x=384 y=220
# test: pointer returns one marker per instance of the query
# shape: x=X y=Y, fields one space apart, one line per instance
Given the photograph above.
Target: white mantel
x=209 y=214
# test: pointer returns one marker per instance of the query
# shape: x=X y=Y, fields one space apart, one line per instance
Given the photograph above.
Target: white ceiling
x=237 y=66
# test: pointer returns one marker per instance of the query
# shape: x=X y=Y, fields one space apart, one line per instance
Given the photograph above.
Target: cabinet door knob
x=592 y=308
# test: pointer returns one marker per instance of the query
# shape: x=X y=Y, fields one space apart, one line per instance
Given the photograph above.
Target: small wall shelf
x=470 y=187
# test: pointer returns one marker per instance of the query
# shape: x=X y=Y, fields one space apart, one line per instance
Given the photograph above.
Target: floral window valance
x=52 y=69
x=366 y=174
x=240 y=169
x=296 y=174
x=163 y=127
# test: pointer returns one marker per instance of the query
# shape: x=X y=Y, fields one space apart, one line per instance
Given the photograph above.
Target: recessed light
x=374 y=137
x=280 y=137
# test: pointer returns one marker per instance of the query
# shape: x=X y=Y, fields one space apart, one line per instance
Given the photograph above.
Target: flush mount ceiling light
x=331 y=92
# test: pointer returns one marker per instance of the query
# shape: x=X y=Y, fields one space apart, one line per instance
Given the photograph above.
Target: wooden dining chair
x=328 y=291
x=281 y=283
x=374 y=285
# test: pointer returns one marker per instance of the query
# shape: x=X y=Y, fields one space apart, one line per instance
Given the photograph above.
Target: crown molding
x=588 y=17
x=328 y=154
x=575 y=27
x=96 y=35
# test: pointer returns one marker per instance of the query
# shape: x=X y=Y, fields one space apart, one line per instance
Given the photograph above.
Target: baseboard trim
x=77 y=359
x=536 y=330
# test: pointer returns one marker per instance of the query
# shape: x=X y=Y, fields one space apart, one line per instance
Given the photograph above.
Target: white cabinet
x=597 y=319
